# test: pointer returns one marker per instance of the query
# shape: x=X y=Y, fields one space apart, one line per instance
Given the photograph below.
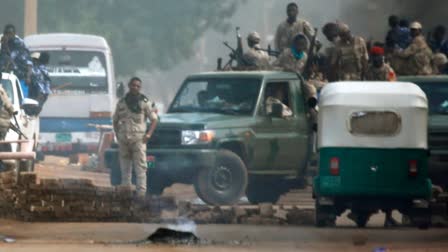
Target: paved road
x=113 y=237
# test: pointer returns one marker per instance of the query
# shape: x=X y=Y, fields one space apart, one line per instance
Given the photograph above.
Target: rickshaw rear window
x=375 y=123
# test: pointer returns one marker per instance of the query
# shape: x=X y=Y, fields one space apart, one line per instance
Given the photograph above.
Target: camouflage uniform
x=286 y=32
x=130 y=128
x=6 y=112
x=351 y=59
x=384 y=73
x=418 y=57
x=257 y=58
x=288 y=62
x=287 y=112
x=15 y=57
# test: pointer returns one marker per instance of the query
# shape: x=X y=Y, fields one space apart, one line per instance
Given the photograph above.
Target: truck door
x=281 y=143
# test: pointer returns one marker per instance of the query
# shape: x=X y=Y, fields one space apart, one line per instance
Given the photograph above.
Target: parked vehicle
x=20 y=144
x=373 y=152
x=218 y=135
x=84 y=91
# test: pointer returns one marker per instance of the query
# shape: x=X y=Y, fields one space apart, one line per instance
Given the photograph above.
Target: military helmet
x=254 y=37
x=416 y=26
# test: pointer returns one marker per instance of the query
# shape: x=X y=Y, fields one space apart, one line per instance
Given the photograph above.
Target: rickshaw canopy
x=373 y=115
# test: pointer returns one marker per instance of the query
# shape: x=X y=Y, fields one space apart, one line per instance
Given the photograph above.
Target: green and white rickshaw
x=373 y=154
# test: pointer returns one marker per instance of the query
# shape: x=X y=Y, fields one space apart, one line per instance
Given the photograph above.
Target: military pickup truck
x=436 y=89
x=219 y=135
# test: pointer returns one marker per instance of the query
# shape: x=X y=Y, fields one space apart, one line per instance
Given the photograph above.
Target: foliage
x=144 y=35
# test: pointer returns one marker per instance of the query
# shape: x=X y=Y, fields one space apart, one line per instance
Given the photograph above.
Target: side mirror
x=277 y=110
x=312 y=102
x=120 y=89
x=31 y=107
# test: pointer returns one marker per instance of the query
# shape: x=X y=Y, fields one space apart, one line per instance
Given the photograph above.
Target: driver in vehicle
x=277 y=96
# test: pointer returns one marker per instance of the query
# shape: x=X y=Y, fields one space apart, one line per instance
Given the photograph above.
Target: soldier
x=378 y=70
x=40 y=87
x=331 y=32
x=288 y=29
x=418 y=55
x=130 y=127
x=438 y=42
x=276 y=95
x=14 y=56
x=6 y=112
x=351 y=56
x=294 y=58
x=255 y=57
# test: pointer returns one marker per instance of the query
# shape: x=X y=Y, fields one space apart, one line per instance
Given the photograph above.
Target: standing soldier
x=130 y=127
x=418 y=55
x=6 y=112
x=378 y=70
x=255 y=57
x=351 y=58
x=14 y=56
x=288 y=29
x=331 y=32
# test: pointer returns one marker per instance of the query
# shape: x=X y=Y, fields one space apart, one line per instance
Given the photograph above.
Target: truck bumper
x=176 y=165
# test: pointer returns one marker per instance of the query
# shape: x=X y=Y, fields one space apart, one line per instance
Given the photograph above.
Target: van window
x=7 y=86
x=375 y=123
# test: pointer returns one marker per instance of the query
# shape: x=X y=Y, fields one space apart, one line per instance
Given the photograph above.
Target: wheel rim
x=222 y=178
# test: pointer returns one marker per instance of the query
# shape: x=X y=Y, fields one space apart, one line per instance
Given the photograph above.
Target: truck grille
x=438 y=140
x=165 y=137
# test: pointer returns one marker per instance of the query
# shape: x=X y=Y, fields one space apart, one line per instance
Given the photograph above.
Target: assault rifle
x=270 y=52
x=236 y=54
x=16 y=127
x=311 y=54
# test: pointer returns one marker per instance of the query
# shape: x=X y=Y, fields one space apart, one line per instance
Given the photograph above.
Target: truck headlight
x=192 y=137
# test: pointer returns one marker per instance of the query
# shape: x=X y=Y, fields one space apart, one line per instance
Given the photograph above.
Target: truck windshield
x=7 y=86
x=77 y=72
x=437 y=94
x=236 y=96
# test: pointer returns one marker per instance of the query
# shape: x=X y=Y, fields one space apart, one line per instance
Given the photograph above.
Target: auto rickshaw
x=373 y=154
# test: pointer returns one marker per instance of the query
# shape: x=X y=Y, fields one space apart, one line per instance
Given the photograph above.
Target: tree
x=144 y=35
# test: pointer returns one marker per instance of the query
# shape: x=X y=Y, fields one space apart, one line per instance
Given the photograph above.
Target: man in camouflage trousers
x=6 y=112
x=378 y=70
x=292 y=26
x=351 y=56
x=130 y=127
x=255 y=57
x=418 y=55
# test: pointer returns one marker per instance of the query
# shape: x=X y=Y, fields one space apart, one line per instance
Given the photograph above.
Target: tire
x=361 y=219
x=421 y=218
x=262 y=189
x=324 y=216
x=156 y=182
x=223 y=183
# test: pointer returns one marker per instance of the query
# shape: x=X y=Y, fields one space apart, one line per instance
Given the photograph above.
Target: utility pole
x=30 y=17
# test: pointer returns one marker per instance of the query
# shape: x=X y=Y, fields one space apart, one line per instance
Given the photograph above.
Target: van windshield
x=77 y=72
x=7 y=86
x=437 y=94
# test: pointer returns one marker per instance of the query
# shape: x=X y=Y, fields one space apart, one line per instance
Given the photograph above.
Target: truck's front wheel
x=223 y=183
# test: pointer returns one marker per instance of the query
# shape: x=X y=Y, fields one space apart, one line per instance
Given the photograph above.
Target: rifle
x=16 y=127
x=236 y=54
x=270 y=52
x=311 y=54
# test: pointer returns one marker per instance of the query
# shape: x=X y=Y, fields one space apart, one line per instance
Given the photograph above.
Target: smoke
x=367 y=18
x=184 y=225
